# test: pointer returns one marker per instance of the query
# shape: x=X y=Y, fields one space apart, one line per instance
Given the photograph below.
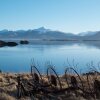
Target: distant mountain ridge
x=88 y=33
x=48 y=34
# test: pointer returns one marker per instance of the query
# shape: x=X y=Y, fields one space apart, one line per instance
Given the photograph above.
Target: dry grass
x=5 y=96
x=8 y=88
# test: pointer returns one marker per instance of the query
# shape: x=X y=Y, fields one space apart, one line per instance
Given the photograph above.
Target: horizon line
x=48 y=29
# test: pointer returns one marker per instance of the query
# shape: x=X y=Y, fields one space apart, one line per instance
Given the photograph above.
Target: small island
x=24 y=42
x=10 y=44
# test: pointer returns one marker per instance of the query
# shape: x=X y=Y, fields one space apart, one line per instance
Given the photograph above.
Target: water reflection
x=18 y=59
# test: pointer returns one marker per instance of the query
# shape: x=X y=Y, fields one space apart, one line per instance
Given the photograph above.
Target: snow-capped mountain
x=42 y=30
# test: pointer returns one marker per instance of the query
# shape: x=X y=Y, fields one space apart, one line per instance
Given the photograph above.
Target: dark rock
x=24 y=42
x=2 y=43
x=11 y=44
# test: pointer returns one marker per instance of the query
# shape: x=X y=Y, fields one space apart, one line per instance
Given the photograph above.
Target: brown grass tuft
x=4 y=96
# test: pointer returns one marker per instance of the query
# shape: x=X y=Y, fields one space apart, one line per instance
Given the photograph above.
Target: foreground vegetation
x=8 y=89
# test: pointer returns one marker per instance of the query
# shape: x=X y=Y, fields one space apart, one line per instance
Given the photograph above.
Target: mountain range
x=48 y=34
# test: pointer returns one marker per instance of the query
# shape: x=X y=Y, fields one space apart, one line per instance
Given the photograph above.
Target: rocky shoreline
x=11 y=43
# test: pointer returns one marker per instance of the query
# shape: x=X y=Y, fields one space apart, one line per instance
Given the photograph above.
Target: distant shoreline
x=10 y=39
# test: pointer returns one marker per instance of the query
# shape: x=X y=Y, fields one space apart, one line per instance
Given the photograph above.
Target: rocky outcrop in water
x=3 y=43
x=11 y=44
x=24 y=42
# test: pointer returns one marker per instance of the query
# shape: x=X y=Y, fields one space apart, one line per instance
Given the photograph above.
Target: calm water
x=18 y=59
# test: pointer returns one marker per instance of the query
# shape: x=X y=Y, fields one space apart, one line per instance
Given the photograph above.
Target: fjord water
x=18 y=59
